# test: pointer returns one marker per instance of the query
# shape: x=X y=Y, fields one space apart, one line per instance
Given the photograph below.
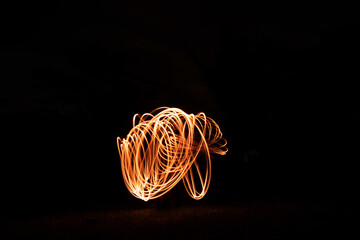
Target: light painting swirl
x=166 y=146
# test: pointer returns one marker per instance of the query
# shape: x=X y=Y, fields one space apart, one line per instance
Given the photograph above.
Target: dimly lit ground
x=258 y=219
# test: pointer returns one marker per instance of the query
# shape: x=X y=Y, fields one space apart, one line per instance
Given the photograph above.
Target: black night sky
x=281 y=84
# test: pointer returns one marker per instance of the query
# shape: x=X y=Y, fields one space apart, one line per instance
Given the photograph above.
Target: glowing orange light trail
x=164 y=147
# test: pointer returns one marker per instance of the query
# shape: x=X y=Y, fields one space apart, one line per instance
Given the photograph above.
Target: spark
x=164 y=147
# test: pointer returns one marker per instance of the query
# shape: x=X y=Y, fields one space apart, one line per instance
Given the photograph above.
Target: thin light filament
x=163 y=148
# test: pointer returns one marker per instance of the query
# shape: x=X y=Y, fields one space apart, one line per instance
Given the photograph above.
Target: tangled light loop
x=163 y=148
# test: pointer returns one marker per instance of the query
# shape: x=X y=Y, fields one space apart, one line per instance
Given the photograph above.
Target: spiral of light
x=166 y=146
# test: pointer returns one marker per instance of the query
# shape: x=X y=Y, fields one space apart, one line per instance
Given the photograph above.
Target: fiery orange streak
x=162 y=149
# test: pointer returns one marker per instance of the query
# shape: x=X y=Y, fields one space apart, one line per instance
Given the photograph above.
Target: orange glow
x=166 y=146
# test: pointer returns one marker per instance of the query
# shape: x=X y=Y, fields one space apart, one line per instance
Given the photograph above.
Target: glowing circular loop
x=163 y=148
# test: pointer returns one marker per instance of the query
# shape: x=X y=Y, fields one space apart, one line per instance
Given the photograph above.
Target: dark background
x=281 y=83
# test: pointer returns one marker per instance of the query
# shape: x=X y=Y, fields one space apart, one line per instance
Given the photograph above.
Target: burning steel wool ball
x=164 y=147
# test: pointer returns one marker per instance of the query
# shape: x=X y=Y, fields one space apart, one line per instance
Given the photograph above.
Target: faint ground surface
x=247 y=220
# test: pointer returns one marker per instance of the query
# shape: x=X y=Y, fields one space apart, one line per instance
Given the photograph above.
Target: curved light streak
x=166 y=146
